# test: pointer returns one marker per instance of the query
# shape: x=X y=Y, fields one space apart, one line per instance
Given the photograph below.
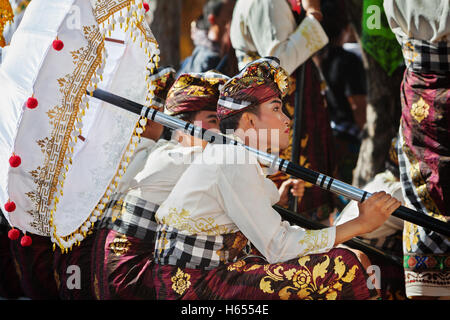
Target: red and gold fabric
x=335 y=275
x=258 y=82
x=194 y=92
x=424 y=153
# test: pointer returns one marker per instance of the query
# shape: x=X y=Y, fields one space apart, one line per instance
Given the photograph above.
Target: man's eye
x=276 y=109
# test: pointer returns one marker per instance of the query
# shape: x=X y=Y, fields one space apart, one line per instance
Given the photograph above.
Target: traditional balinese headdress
x=258 y=82
x=162 y=80
x=194 y=92
x=62 y=152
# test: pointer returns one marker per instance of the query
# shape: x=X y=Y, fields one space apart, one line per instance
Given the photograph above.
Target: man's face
x=272 y=126
x=207 y=120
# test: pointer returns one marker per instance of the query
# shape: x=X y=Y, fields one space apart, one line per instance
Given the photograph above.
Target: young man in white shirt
x=123 y=250
x=218 y=235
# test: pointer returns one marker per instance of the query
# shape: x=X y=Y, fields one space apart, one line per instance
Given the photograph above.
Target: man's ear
x=248 y=120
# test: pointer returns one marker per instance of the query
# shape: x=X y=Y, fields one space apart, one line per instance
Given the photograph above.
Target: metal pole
x=316 y=178
x=353 y=243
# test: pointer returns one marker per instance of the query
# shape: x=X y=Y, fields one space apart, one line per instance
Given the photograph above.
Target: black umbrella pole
x=318 y=179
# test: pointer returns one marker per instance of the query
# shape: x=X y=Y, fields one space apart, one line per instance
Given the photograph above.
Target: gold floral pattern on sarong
x=180 y=282
x=304 y=283
x=421 y=185
x=183 y=221
x=120 y=245
x=420 y=110
x=410 y=236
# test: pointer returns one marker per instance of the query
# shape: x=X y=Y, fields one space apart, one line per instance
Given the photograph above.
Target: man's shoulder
x=227 y=155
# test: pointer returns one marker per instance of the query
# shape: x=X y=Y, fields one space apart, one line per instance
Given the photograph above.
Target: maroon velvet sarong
x=35 y=268
x=424 y=162
x=73 y=271
x=337 y=274
x=9 y=279
x=122 y=266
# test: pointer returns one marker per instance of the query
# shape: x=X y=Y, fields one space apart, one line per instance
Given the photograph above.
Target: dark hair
x=185 y=116
x=211 y=7
x=232 y=122
x=335 y=18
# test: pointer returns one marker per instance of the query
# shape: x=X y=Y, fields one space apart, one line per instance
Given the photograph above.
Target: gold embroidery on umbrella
x=304 y=282
x=180 y=282
x=120 y=245
x=62 y=119
x=419 y=110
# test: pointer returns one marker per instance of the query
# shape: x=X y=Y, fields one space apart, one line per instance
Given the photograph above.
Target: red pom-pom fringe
x=26 y=241
x=58 y=45
x=10 y=206
x=15 y=161
x=13 y=234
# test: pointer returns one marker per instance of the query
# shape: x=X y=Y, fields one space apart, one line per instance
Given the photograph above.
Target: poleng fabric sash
x=424 y=56
x=198 y=251
x=131 y=216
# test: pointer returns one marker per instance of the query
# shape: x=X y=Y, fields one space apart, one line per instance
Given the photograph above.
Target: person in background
x=211 y=36
x=346 y=88
x=123 y=251
x=422 y=28
x=218 y=235
x=291 y=31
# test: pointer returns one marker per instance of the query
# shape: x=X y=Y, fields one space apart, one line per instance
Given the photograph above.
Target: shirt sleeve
x=247 y=203
x=274 y=33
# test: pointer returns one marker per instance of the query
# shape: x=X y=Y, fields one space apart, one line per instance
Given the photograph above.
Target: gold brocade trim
x=180 y=282
x=182 y=221
x=86 y=227
x=314 y=240
x=410 y=235
x=120 y=245
x=62 y=119
x=104 y=9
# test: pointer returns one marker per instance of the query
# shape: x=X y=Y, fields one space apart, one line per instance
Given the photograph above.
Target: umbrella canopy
x=61 y=153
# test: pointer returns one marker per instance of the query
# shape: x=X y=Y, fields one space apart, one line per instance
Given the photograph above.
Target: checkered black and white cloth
x=131 y=216
x=423 y=56
x=190 y=251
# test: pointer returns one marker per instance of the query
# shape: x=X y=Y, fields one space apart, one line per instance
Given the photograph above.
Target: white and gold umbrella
x=62 y=152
